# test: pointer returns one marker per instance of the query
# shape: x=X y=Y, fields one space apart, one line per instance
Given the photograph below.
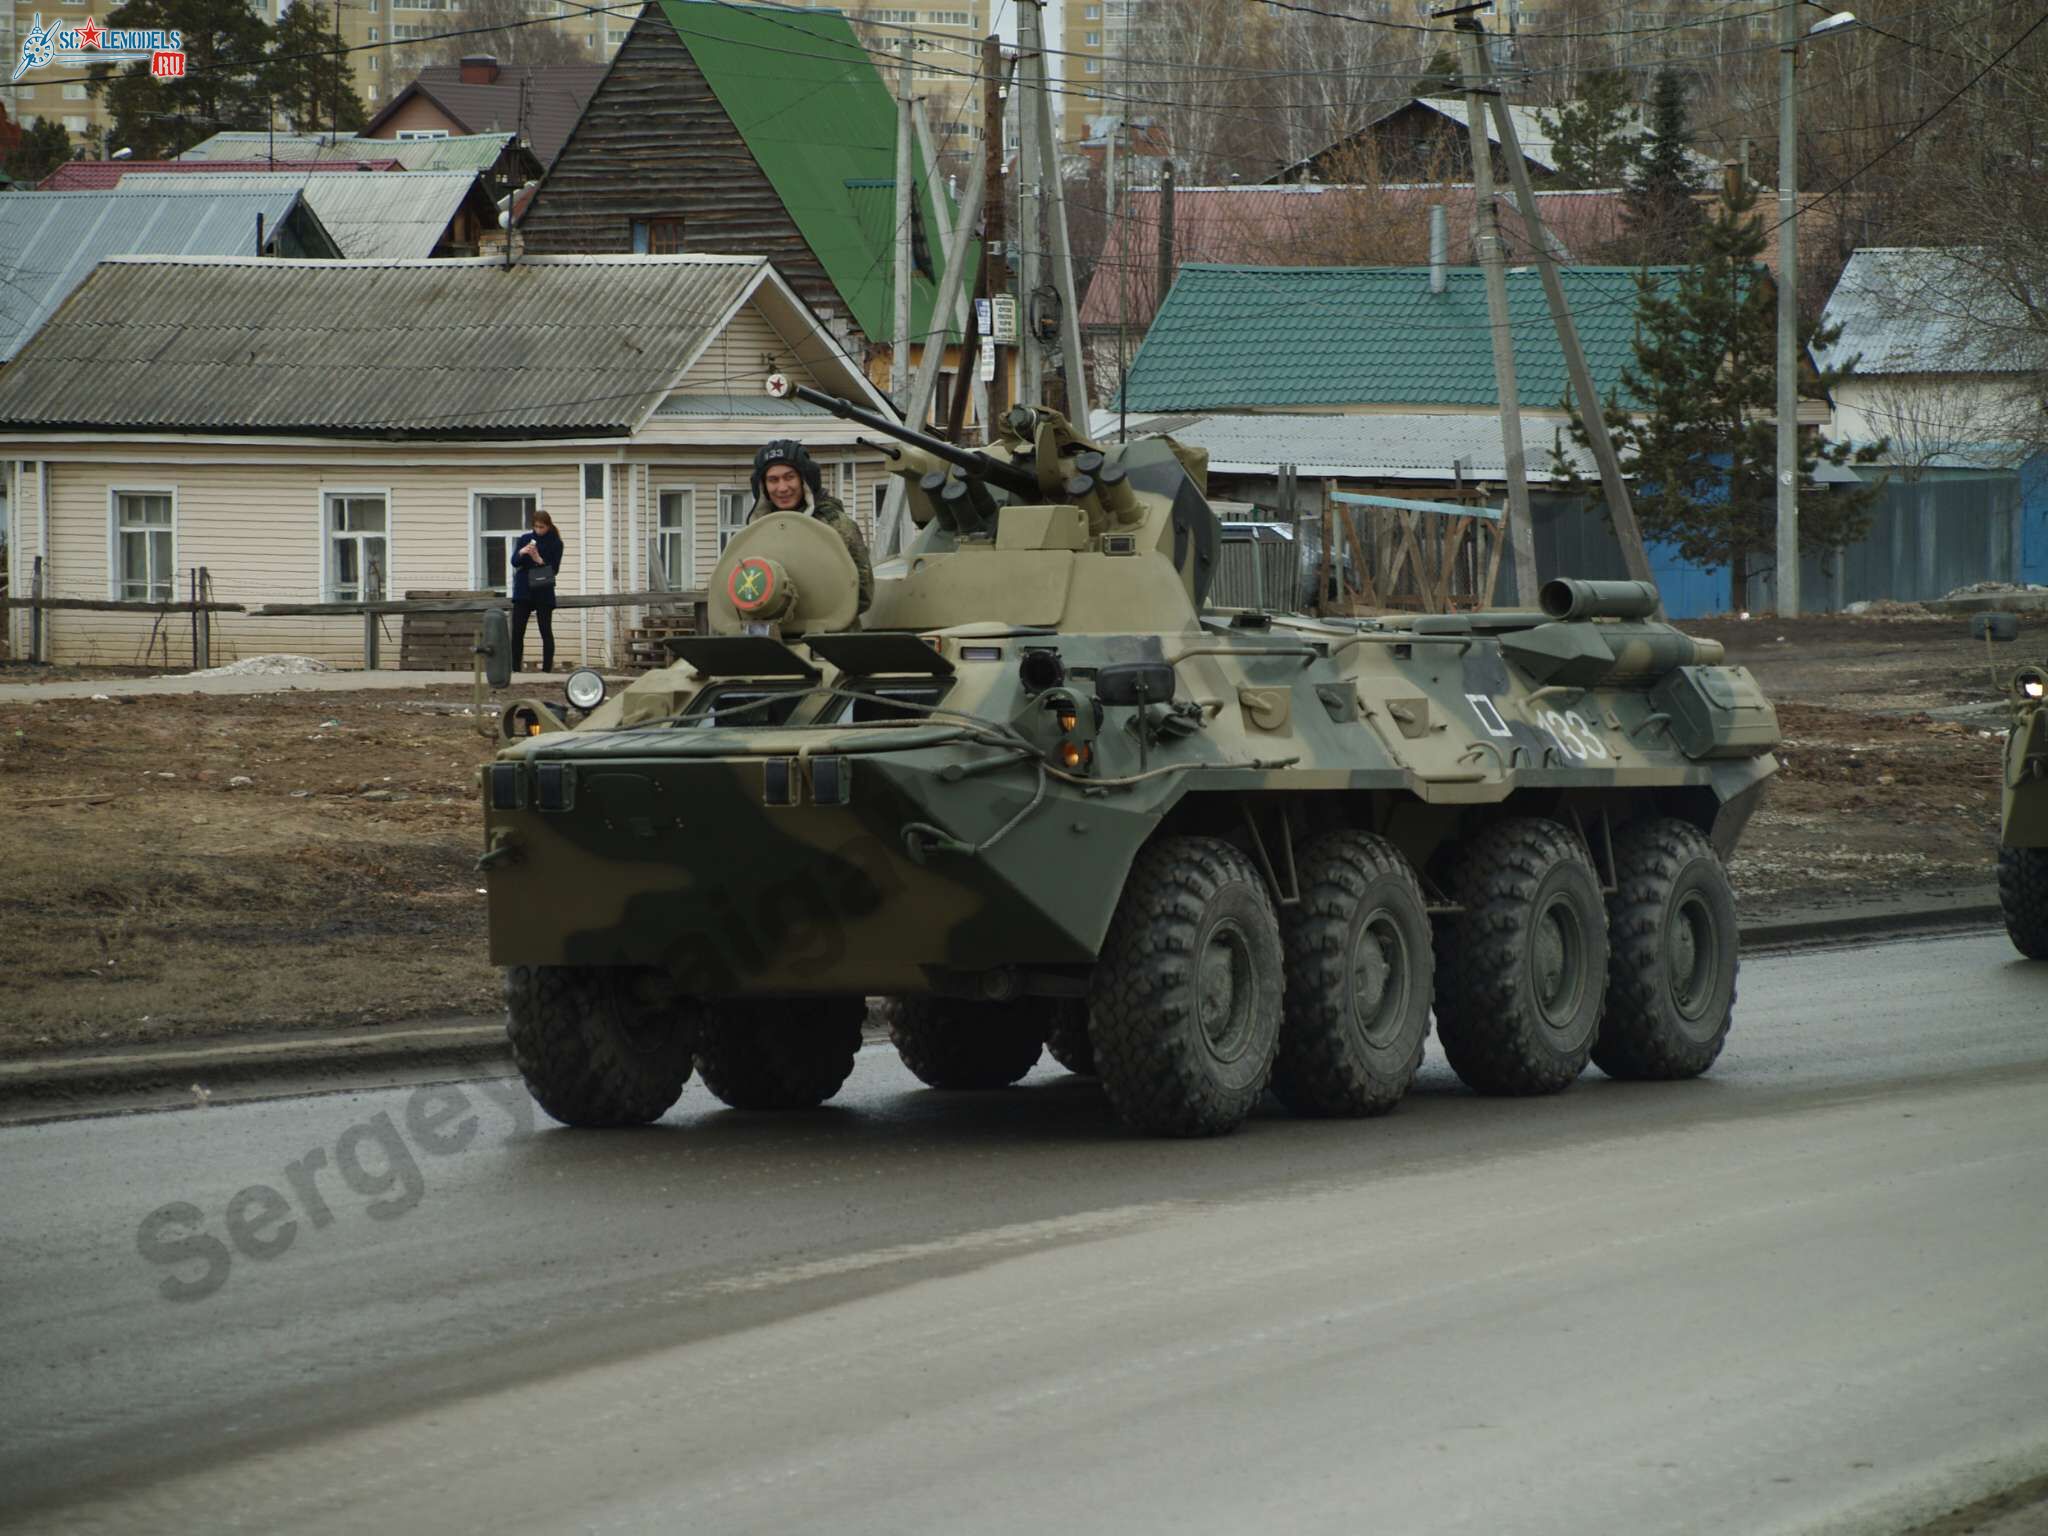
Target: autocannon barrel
x=1018 y=482
x=1566 y=598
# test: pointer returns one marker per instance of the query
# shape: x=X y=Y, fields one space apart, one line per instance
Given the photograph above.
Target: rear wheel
x=1671 y=972
x=949 y=1044
x=2023 y=897
x=1066 y=1036
x=780 y=1053
x=1184 y=1011
x=1520 y=972
x=1358 y=979
x=599 y=1045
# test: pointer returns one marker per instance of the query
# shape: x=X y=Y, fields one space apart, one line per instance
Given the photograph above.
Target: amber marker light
x=1075 y=754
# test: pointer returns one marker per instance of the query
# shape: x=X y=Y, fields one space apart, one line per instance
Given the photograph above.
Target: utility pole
x=1030 y=216
x=1164 y=280
x=899 y=357
x=1621 y=511
x=1788 y=310
x=1059 y=251
x=995 y=267
x=1492 y=262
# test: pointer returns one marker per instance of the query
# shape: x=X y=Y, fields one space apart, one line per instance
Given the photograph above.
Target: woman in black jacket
x=535 y=563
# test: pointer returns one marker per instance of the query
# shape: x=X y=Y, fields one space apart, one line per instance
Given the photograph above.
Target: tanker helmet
x=787 y=450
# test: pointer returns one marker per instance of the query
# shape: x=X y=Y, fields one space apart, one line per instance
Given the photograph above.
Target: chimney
x=479 y=69
x=1439 y=248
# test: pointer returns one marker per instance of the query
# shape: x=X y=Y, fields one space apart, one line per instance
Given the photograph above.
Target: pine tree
x=1441 y=76
x=1660 y=219
x=42 y=149
x=1703 y=457
x=306 y=73
x=222 y=87
x=1593 y=137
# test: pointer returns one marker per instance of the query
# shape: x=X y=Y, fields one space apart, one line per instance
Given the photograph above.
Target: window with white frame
x=502 y=519
x=356 y=533
x=733 y=507
x=145 y=556
x=420 y=135
x=675 y=521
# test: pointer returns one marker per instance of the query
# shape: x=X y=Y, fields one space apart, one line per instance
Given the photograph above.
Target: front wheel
x=1671 y=969
x=1184 y=1006
x=2023 y=898
x=1521 y=971
x=599 y=1045
x=779 y=1053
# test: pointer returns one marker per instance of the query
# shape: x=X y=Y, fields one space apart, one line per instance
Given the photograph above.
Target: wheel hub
x=1224 y=987
x=1558 y=962
x=1379 y=977
x=1691 y=941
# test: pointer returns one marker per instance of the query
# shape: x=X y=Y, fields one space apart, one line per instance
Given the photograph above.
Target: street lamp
x=1788 y=293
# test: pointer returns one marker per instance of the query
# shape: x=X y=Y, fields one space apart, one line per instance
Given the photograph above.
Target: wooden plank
x=113 y=605
x=1367 y=590
x=1397 y=504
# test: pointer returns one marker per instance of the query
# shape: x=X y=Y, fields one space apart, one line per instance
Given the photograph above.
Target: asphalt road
x=1808 y=1293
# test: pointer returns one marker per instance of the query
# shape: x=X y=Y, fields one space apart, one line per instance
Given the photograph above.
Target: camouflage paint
x=964 y=849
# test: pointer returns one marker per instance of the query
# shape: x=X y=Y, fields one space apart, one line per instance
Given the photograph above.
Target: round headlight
x=585 y=687
x=2031 y=684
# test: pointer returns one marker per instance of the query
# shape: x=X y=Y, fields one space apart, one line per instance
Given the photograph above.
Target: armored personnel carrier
x=2023 y=820
x=1040 y=795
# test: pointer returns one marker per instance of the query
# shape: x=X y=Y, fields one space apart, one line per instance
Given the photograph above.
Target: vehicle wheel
x=1520 y=972
x=1358 y=979
x=2023 y=897
x=949 y=1044
x=1184 y=1010
x=599 y=1045
x=1673 y=951
x=1066 y=1037
x=781 y=1053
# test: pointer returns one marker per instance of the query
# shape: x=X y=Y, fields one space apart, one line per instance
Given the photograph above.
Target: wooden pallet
x=440 y=642
x=646 y=645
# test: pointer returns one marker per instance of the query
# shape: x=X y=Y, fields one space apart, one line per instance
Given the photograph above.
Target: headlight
x=2030 y=683
x=585 y=688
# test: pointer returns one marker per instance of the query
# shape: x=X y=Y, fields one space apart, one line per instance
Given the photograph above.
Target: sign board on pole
x=982 y=323
x=988 y=362
x=1004 y=324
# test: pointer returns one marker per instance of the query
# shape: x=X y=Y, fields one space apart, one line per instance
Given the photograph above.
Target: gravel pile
x=267 y=666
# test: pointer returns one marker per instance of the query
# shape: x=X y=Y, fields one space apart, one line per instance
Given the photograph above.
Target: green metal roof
x=1252 y=337
x=806 y=97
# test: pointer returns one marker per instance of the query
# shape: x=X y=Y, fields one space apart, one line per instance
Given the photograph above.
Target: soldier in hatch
x=786 y=479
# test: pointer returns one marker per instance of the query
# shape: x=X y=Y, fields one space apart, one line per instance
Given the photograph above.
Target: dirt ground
x=146 y=895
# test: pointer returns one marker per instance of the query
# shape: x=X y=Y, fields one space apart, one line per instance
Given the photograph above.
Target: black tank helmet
x=787 y=450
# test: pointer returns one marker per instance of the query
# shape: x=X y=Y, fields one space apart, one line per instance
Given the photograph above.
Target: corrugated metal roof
x=1403 y=446
x=1232 y=337
x=805 y=96
x=371 y=215
x=1908 y=309
x=105 y=175
x=50 y=241
x=465 y=152
x=549 y=347
x=734 y=405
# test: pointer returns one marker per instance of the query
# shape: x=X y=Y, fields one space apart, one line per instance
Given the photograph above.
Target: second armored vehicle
x=1041 y=795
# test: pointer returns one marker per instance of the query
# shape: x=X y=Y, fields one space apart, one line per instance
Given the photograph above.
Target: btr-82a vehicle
x=1040 y=795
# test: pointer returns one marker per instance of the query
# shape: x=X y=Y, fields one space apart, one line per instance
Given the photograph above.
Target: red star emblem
x=89 y=35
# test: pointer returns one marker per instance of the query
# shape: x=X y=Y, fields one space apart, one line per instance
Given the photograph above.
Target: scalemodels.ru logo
x=93 y=44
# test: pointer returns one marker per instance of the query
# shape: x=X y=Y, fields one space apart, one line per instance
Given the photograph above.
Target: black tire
x=781 y=1053
x=1066 y=1036
x=2023 y=897
x=1672 y=957
x=599 y=1045
x=1520 y=973
x=948 y=1044
x=1184 y=1007
x=1359 y=977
